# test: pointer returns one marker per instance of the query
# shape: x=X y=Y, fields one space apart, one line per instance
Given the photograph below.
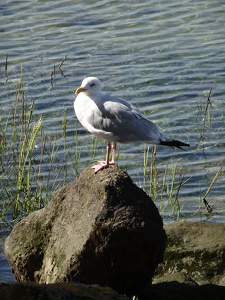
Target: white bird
x=115 y=120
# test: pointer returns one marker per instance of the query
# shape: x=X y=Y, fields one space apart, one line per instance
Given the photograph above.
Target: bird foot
x=102 y=165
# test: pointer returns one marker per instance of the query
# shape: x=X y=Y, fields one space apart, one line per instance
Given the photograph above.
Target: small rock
x=99 y=229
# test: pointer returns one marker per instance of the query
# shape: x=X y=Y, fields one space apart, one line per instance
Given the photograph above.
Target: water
x=163 y=56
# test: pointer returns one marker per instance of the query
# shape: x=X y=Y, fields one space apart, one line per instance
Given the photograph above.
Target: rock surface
x=99 y=229
x=182 y=291
x=195 y=253
x=74 y=291
x=57 y=291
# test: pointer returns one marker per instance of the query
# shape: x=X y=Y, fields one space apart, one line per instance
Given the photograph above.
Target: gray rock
x=195 y=254
x=99 y=229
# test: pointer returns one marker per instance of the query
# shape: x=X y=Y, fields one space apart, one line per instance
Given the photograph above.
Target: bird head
x=90 y=85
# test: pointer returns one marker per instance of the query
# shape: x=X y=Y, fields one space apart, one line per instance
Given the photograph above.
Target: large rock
x=195 y=254
x=99 y=229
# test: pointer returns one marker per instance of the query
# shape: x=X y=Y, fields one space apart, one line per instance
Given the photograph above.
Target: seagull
x=115 y=120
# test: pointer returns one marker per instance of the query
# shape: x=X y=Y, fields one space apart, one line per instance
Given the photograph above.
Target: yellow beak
x=80 y=89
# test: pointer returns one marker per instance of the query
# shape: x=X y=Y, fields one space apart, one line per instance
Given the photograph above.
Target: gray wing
x=126 y=123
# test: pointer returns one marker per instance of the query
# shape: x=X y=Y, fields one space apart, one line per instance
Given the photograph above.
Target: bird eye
x=93 y=84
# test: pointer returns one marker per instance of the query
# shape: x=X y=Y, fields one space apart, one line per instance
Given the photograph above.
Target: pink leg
x=104 y=164
x=108 y=150
x=113 y=153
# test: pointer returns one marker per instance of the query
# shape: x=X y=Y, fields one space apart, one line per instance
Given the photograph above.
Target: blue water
x=163 y=56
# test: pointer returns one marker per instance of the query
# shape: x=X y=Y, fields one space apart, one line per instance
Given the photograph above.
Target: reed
x=209 y=205
x=204 y=115
x=165 y=183
x=17 y=147
x=207 y=115
x=26 y=181
x=76 y=155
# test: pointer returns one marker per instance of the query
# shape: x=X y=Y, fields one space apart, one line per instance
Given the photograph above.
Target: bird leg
x=113 y=153
x=104 y=164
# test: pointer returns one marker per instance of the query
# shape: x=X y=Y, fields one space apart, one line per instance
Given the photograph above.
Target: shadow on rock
x=183 y=291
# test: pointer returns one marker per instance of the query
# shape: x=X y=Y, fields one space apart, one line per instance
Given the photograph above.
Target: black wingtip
x=174 y=143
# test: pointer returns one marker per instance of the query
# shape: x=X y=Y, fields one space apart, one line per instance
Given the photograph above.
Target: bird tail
x=173 y=143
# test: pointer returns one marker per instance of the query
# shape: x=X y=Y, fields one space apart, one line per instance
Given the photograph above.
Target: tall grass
x=20 y=192
x=164 y=183
x=29 y=167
